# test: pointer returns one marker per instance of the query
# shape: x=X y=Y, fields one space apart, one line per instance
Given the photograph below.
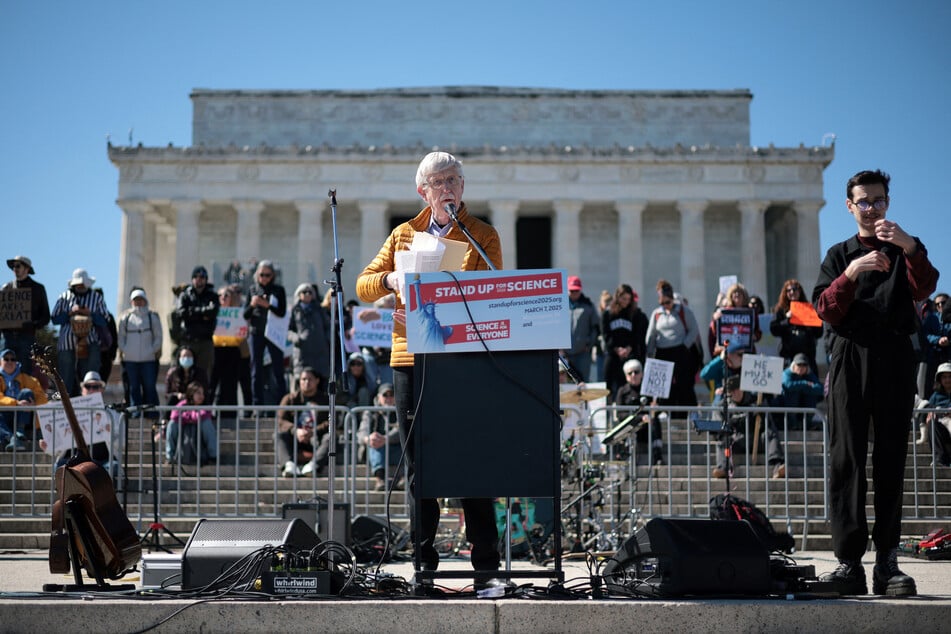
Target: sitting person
x=108 y=437
x=630 y=394
x=359 y=389
x=183 y=373
x=298 y=432
x=380 y=435
x=939 y=421
x=17 y=388
x=801 y=388
x=190 y=422
x=736 y=441
x=727 y=363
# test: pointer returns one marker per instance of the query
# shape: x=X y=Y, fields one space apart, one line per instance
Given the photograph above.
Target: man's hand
x=79 y=310
x=376 y=440
x=888 y=231
x=872 y=261
x=304 y=435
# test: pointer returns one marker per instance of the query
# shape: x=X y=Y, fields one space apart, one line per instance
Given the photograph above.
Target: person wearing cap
x=17 y=388
x=266 y=297
x=359 y=390
x=22 y=338
x=80 y=313
x=379 y=435
x=196 y=309
x=865 y=292
x=440 y=183
x=739 y=423
x=140 y=344
x=801 y=386
x=585 y=328
x=723 y=366
x=939 y=422
x=108 y=435
x=309 y=332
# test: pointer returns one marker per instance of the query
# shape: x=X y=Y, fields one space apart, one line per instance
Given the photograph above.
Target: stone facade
x=616 y=186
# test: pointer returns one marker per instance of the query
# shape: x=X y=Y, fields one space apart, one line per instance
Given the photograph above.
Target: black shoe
x=848 y=578
x=887 y=579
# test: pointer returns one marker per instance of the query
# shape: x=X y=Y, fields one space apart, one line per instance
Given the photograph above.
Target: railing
x=243 y=477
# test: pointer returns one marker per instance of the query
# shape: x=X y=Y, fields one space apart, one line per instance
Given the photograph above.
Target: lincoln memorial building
x=614 y=186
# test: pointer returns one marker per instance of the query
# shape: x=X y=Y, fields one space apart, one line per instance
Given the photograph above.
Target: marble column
x=753 y=243
x=186 y=237
x=131 y=250
x=808 y=256
x=693 y=284
x=372 y=230
x=630 y=214
x=567 y=239
x=248 y=238
x=504 y=213
x=311 y=266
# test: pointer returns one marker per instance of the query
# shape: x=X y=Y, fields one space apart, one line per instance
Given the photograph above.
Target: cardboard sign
x=803 y=314
x=658 y=377
x=15 y=308
x=761 y=374
x=231 y=323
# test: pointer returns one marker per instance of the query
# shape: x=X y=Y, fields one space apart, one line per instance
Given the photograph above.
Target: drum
x=81 y=325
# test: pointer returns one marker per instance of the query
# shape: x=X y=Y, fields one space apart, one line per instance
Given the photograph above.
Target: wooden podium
x=488 y=425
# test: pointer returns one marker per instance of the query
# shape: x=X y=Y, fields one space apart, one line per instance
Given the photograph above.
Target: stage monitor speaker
x=215 y=545
x=678 y=557
x=315 y=515
x=372 y=528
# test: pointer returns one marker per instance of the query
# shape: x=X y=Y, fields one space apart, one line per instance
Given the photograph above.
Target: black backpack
x=730 y=507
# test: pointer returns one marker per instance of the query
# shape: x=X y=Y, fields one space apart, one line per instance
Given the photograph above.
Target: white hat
x=93 y=377
x=138 y=293
x=80 y=276
x=944 y=367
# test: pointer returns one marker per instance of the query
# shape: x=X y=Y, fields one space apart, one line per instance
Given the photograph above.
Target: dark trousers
x=258 y=343
x=868 y=385
x=681 y=390
x=481 y=530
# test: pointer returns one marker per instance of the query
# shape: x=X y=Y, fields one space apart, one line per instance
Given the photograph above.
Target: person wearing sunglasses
x=645 y=427
x=17 y=388
x=865 y=292
x=266 y=297
x=22 y=338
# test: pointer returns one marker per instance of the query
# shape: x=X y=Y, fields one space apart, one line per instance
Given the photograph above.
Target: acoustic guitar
x=114 y=545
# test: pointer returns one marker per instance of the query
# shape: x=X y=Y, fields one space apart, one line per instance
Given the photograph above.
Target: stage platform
x=25 y=608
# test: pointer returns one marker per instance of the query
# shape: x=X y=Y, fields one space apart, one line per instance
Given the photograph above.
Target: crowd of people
x=873 y=296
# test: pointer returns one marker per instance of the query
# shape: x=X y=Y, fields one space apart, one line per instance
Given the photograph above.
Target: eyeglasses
x=19 y=265
x=93 y=386
x=387 y=394
x=307 y=292
x=793 y=288
x=449 y=182
x=633 y=372
x=878 y=204
x=9 y=358
x=265 y=274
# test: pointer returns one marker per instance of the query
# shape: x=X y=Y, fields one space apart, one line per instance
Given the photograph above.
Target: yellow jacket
x=370 y=282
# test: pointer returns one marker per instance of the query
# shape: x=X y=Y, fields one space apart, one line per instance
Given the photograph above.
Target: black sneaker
x=887 y=579
x=848 y=578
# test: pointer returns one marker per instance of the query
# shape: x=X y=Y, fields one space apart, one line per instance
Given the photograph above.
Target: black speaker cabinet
x=678 y=557
x=373 y=529
x=215 y=545
x=315 y=515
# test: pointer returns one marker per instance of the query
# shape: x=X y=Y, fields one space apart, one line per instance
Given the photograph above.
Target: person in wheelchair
x=648 y=429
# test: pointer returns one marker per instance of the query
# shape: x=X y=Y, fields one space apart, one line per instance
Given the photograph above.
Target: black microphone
x=451 y=210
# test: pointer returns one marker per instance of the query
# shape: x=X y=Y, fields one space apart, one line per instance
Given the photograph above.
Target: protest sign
x=761 y=374
x=15 y=307
x=373 y=327
x=658 y=377
x=735 y=325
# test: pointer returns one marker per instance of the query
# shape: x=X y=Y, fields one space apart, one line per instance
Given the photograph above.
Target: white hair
x=436 y=162
x=632 y=364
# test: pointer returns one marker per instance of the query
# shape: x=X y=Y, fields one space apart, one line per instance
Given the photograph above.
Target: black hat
x=199 y=271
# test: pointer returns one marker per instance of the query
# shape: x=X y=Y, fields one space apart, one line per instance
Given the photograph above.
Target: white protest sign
x=373 y=327
x=762 y=374
x=726 y=281
x=55 y=426
x=276 y=328
x=658 y=376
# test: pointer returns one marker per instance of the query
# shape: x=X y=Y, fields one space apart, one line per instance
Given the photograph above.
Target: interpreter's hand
x=399 y=316
x=872 y=261
x=888 y=231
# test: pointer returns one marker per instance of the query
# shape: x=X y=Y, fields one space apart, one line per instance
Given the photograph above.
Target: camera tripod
x=153 y=537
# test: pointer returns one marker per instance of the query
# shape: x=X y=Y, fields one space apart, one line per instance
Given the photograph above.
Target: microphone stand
x=336 y=316
x=451 y=210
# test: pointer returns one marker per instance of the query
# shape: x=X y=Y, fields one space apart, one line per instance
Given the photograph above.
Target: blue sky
x=876 y=77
